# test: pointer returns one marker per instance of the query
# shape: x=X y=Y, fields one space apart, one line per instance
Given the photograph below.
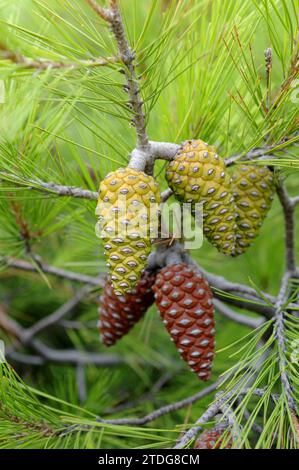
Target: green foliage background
x=202 y=73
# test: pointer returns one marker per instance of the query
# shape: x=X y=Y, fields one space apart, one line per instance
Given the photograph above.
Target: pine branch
x=58 y=272
x=25 y=233
x=237 y=317
x=68 y=191
x=113 y=17
x=164 y=409
x=104 y=13
x=294 y=200
x=56 y=316
x=139 y=160
x=72 y=356
x=253 y=154
x=81 y=383
x=280 y=335
x=262 y=153
x=165 y=195
x=58 y=189
x=220 y=402
x=143 y=157
x=64 y=356
x=247 y=416
x=44 y=64
x=151 y=416
x=288 y=207
x=235 y=429
x=288 y=212
x=29 y=425
x=28 y=359
x=25 y=337
x=247 y=298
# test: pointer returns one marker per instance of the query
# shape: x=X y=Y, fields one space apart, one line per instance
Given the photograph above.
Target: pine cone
x=119 y=313
x=125 y=197
x=253 y=188
x=197 y=174
x=184 y=300
x=213 y=439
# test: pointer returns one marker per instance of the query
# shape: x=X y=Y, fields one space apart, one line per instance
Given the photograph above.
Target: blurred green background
x=202 y=72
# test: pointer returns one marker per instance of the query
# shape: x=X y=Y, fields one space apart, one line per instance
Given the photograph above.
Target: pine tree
x=90 y=86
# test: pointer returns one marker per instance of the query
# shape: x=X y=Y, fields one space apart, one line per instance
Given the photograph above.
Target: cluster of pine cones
x=234 y=207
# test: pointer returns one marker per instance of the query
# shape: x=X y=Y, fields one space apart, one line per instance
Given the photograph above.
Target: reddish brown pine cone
x=119 y=313
x=184 y=300
x=213 y=439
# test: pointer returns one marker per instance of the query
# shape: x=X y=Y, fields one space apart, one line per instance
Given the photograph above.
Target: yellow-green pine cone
x=126 y=223
x=197 y=174
x=253 y=188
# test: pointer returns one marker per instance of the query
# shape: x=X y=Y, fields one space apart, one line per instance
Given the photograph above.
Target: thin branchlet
x=279 y=330
x=245 y=297
x=104 y=13
x=288 y=206
x=127 y=56
x=45 y=64
x=47 y=353
x=221 y=401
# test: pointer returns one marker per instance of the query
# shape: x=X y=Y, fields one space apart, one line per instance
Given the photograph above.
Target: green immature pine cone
x=197 y=174
x=128 y=217
x=253 y=188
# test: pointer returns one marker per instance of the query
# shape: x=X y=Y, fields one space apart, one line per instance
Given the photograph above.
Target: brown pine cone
x=213 y=439
x=119 y=313
x=184 y=300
